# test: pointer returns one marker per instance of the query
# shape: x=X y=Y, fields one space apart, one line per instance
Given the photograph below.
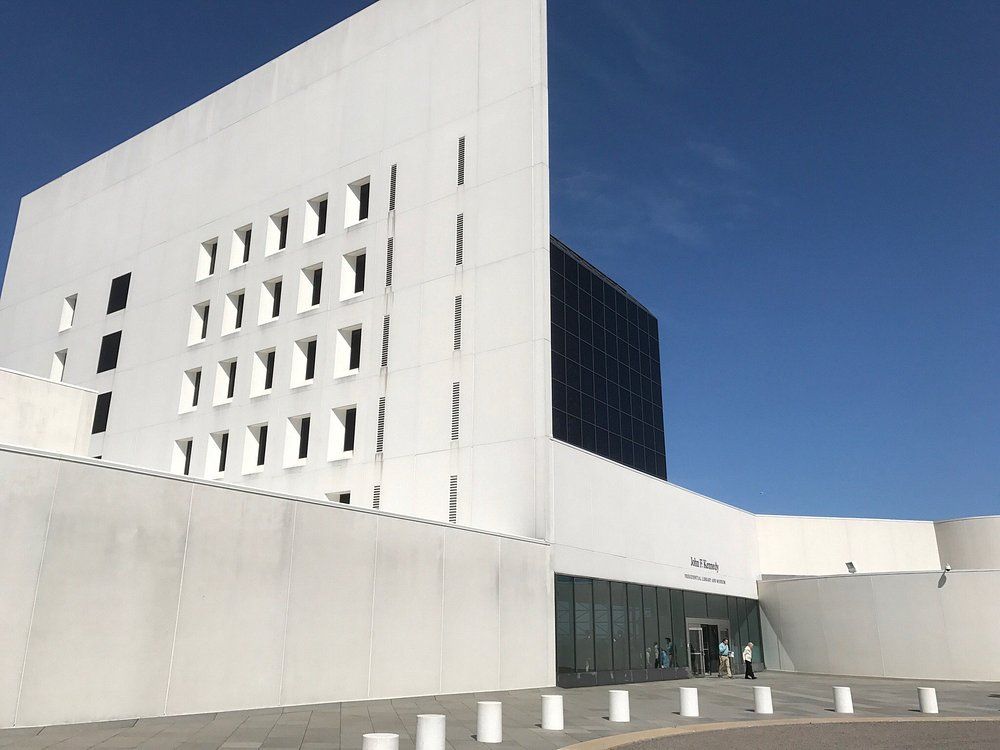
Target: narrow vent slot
x=377 y=496
x=458 y=322
x=455 y=390
x=453 y=499
x=380 y=432
x=392 y=188
x=459 y=239
x=385 y=341
x=388 y=263
x=461 y=160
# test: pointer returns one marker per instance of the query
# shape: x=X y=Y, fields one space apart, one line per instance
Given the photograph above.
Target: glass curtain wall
x=612 y=626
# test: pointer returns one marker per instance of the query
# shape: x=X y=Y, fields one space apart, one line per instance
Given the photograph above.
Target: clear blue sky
x=805 y=194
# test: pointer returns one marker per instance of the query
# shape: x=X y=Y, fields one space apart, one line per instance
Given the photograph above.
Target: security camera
x=947 y=568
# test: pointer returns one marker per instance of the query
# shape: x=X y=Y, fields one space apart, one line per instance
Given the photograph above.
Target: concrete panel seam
x=878 y=635
x=371 y=619
x=288 y=599
x=34 y=598
x=177 y=613
x=444 y=593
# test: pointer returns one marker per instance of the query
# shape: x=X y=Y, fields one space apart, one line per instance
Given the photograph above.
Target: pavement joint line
x=631 y=738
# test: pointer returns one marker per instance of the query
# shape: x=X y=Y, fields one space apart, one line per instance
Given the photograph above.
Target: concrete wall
x=396 y=84
x=969 y=543
x=43 y=414
x=126 y=593
x=614 y=522
x=916 y=625
x=806 y=546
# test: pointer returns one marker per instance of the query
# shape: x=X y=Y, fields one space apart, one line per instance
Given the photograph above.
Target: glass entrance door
x=696 y=651
x=711 y=647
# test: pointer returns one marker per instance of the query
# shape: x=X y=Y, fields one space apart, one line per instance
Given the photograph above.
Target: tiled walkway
x=339 y=726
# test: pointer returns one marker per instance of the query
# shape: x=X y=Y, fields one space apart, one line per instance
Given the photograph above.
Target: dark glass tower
x=606 y=395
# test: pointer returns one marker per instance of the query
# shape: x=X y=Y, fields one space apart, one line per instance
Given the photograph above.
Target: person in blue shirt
x=725 y=657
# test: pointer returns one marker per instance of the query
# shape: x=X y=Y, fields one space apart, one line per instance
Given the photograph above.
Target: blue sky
x=805 y=194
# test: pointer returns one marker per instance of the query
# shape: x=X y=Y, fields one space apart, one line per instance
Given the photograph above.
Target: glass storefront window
x=584 y=619
x=619 y=626
x=565 y=651
x=694 y=604
x=603 y=637
x=680 y=628
x=650 y=625
x=636 y=632
x=717 y=609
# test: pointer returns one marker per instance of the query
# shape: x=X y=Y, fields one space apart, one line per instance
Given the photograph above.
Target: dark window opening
x=321 y=212
x=355 y=359
x=269 y=370
x=359 y=273
x=363 y=192
x=276 y=300
x=261 y=444
x=239 y=310
x=223 y=451
x=119 y=293
x=345 y=498
x=283 y=232
x=101 y=413
x=310 y=359
x=212 y=252
x=204 y=322
x=197 y=388
x=108 y=358
x=188 y=445
x=317 y=286
x=304 y=437
x=350 y=423
x=246 y=244
x=231 y=386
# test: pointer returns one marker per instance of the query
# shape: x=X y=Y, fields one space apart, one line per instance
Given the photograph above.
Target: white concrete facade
x=40 y=413
x=388 y=92
x=969 y=543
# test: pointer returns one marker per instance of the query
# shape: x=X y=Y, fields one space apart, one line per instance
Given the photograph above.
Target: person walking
x=664 y=656
x=748 y=661
x=725 y=654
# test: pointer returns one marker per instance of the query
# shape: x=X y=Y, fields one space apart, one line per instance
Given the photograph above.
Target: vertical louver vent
x=461 y=160
x=458 y=322
x=455 y=390
x=453 y=499
x=392 y=188
x=385 y=341
x=380 y=432
x=377 y=496
x=388 y=263
x=459 y=239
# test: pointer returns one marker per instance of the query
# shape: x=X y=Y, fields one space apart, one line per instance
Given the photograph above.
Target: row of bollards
x=489 y=719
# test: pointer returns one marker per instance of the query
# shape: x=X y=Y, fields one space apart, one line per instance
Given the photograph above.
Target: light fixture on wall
x=947 y=568
x=851 y=568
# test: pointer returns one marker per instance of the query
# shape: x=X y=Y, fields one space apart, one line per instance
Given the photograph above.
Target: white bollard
x=762 y=700
x=927 y=697
x=380 y=741
x=552 y=712
x=430 y=731
x=689 y=701
x=618 y=705
x=842 y=701
x=489 y=724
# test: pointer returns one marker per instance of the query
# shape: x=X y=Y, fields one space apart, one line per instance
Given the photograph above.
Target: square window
x=255 y=448
x=190 y=390
x=218 y=453
x=68 y=313
x=232 y=315
x=58 y=370
x=343 y=498
x=101 y=412
x=181 y=460
x=270 y=301
x=316 y=211
x=297 y=440
x=118 y=297
x=343 y=423
x=347 y=357
x=198 y=329
x=207 y=255
x=108 y=358
x=303 y=362
x=352 y=275
x=225 y=381
x=262 y=372
x=277 y=233
x=241 y=246
x=310 y=287
x=356 y=202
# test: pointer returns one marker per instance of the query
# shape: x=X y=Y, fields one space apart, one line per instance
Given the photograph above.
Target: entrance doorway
x=704 y=637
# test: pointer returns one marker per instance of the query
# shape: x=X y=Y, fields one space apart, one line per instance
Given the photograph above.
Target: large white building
x=326 y=299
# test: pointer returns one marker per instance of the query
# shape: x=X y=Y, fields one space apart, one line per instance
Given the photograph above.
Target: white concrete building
x=346 y=381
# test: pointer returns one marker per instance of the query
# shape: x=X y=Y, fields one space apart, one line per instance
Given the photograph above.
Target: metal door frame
x=697 y=622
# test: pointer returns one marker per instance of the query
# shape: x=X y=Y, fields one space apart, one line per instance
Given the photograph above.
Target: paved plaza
x=340 y=726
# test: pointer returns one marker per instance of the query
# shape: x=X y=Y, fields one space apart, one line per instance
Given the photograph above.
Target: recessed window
x=58 y=370
x=101 y=411
x=218 y=452
x=344 y=498
x=303 y=361
x=241 y=246
x=207 y=255
x=108 y=358
x=316 y=211
x=225 y=381
x=297 y=440
x=262 y=372
x=198 y=330
x=277 y=233
x=356 y=208
x=348 y=353
x=181 y=461
x=270 y=300
x=343 y=423
x=255 y=448
x=190 y=390
x=352 y=275
x=118 y=297
x=310 y=287
x=68 y=314
x=232 y=315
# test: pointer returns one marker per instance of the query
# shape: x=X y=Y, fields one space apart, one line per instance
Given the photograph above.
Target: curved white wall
x=969 y=543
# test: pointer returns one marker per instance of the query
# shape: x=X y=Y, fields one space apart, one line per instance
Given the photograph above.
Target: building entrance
x=704 y=637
